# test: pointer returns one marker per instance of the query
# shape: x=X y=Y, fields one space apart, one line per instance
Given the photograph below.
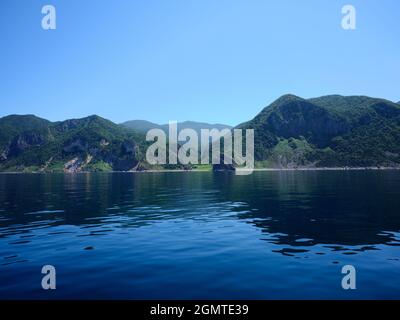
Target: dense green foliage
x=92 y=143
x=330 y=131
x=14 y=125
x=334 y=130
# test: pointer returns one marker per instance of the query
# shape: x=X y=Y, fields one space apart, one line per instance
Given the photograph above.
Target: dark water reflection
x=201 y=235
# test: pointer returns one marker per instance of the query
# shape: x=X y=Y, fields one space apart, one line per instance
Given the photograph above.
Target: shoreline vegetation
x=210 y=170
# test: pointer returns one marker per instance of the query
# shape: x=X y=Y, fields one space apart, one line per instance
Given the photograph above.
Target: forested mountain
x=292 y=132
x=327 y=131
x=29 y=143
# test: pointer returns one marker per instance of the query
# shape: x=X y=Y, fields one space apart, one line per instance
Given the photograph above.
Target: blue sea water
x=201 y=235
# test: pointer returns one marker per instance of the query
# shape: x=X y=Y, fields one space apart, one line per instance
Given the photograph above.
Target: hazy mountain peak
x=140 y=125
x=286 y=98
x=144 y=126
x=22 y=117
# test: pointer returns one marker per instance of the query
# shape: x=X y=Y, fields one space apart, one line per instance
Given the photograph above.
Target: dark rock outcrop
x=23 y=142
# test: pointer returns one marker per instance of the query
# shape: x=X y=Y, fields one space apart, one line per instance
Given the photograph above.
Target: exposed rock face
x=73 y=165
x=124 y=160
x=104 y=143
x=23 y=142
x=4 y=154
x=77 y=164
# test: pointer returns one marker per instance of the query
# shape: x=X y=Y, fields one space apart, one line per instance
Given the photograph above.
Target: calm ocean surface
x=200 y=235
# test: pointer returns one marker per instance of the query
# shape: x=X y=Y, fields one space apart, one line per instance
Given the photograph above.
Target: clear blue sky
x=204 y=60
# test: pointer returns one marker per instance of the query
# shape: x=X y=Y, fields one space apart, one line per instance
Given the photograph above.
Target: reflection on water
x=200 y=235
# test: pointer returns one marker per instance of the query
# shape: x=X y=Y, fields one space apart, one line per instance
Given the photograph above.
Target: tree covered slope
x=292 y=132
x=327 y=131
x=29 y=143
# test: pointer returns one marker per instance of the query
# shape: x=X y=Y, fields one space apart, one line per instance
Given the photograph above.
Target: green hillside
x=91 y=143
x=292 y=132
x=327 y=131
x=14 y=125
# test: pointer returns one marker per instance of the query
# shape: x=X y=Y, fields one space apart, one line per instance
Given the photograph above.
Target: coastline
x=329 y=169
x=199 y=170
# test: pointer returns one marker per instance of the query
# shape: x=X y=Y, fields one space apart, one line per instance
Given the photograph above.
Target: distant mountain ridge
x=144 y=126
x=292 y=132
